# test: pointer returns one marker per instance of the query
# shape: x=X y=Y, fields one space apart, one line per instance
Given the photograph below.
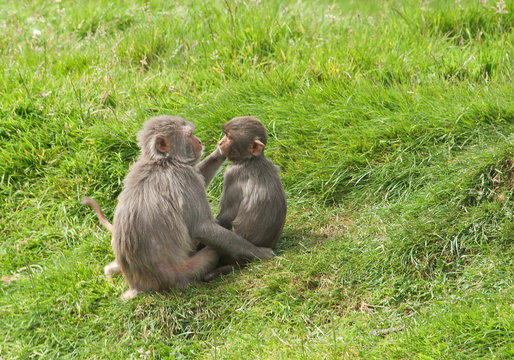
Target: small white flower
x=36 y=33
x=500 y=7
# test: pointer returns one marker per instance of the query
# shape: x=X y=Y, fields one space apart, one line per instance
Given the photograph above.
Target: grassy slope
x=392 y=123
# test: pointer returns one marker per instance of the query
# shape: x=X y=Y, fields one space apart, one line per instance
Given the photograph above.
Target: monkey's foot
x=223 y=270
x=265 y=253
x=111 y=269
x=129 y=294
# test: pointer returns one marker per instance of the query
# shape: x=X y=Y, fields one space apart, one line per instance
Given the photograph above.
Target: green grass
x=392 y=123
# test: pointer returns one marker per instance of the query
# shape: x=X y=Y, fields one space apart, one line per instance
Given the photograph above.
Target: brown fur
x=163 y=213
x=253 y=202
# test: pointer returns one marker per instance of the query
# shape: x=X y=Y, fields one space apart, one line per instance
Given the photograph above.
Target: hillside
x=392 y=123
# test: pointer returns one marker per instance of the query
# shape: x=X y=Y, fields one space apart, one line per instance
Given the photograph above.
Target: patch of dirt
x=504 y=180
x=20 y=272
x=339 y=224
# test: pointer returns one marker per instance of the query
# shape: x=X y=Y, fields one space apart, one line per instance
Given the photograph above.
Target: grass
x=392 y=123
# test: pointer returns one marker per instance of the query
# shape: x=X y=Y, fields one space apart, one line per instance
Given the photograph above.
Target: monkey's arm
x=228 y=242
x=229 y=204
x=210 y=165
x=231 y=197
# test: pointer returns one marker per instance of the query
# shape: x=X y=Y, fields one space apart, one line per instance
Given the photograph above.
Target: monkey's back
x=150 y=234
x=262 y=211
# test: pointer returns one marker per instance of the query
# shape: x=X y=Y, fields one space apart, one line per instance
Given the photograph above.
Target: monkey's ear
x=162 y=144
x=256 y=147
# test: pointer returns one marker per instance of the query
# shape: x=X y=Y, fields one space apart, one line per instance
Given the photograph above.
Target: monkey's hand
x=220 y=152
x=264 y=253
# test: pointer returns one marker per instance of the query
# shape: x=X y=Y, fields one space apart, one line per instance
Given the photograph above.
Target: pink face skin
x=224 y=145
x=196 y=143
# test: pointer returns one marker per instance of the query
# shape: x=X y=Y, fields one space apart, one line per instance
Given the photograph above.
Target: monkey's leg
x=223 y=270
x=193 y=269
x=196 y=267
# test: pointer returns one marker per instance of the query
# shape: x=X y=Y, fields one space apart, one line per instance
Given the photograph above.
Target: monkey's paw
x=265 y=253
x=129 y=294
x=111 y=269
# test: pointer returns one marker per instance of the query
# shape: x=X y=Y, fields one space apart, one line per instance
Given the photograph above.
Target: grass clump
x=392 y=123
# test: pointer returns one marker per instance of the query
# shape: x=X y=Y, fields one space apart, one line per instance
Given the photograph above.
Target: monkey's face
x=224 y=145
x=169 y=137
x=230 y=148
x=195 y=143
x=238 y=147
x=245 y=137
x=186 y=147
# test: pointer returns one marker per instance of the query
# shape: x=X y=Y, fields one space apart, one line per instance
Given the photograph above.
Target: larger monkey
x=253 y=202
x=163 y=213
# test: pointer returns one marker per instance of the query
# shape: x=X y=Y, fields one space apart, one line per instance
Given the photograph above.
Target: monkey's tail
x=94 y=205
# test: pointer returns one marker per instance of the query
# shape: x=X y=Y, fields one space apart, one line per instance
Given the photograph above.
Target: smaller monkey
x=253 y=202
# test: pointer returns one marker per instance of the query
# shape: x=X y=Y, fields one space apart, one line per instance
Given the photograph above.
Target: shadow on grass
x=298 y=237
